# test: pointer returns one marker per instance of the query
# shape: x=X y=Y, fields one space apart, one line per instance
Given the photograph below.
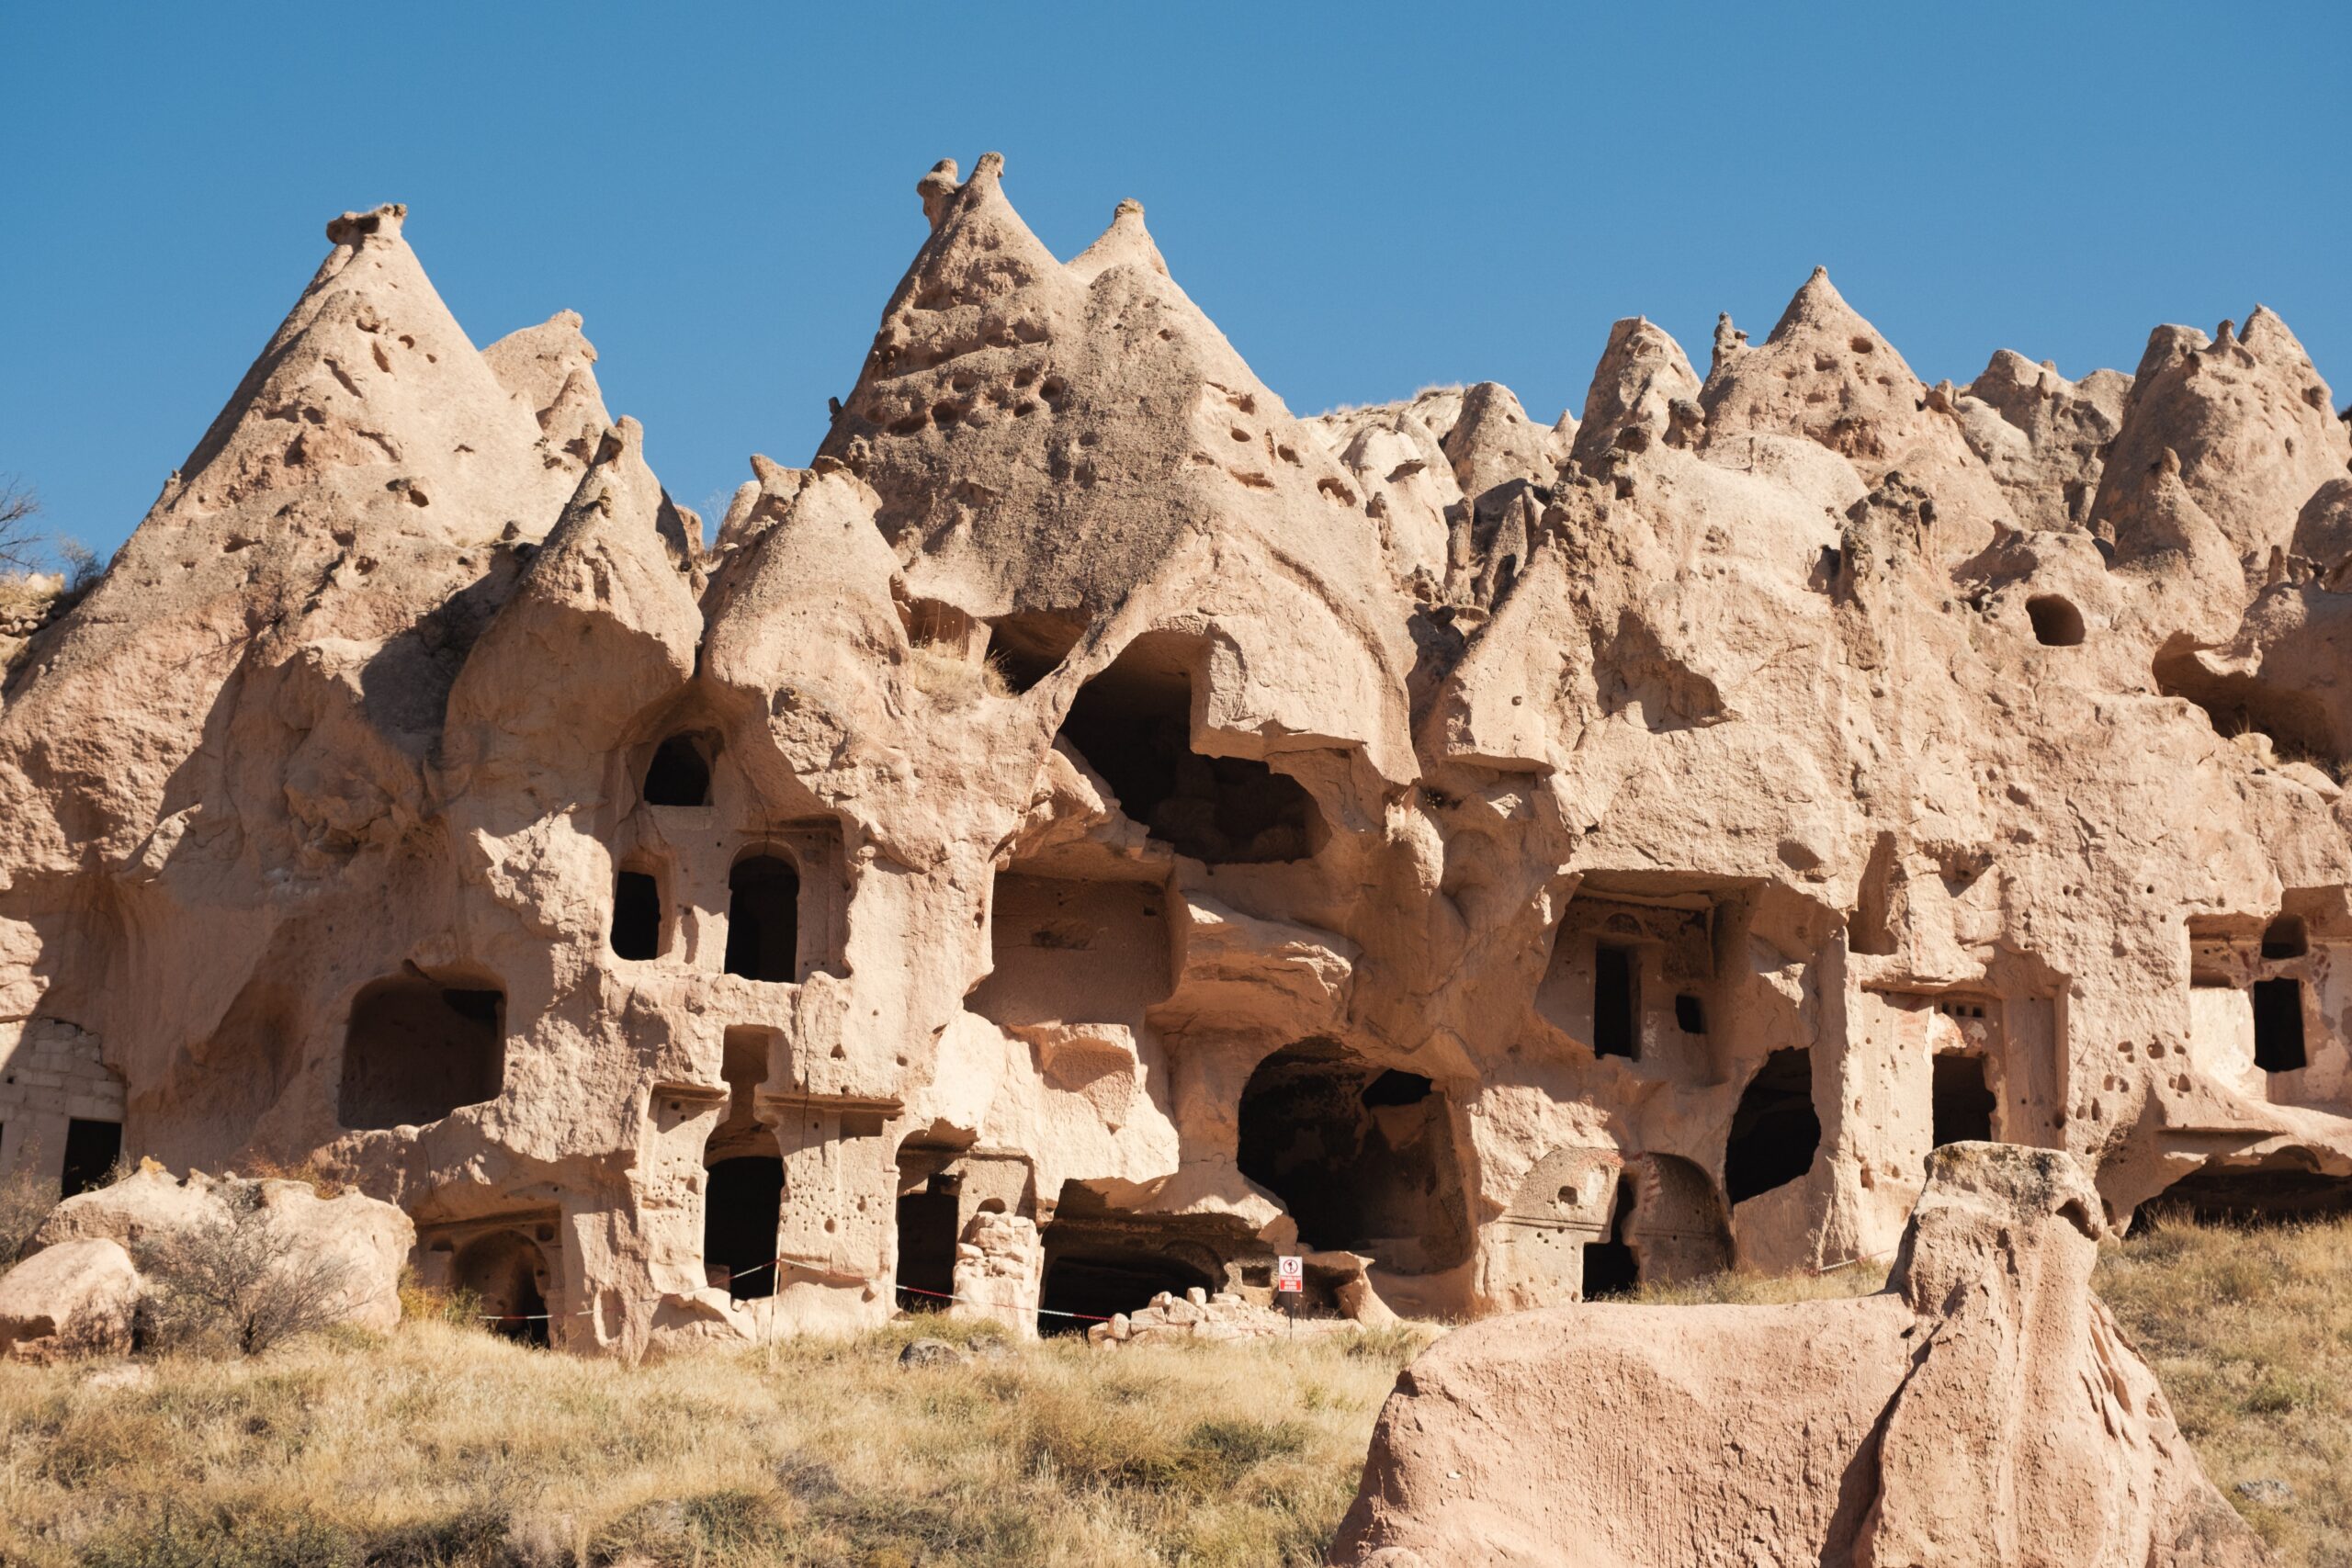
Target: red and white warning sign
x=1290 y=1273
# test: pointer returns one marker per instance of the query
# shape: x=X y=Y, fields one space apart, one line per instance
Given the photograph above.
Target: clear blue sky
x=1366 y=198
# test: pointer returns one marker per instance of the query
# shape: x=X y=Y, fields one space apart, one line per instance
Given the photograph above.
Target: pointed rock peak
x=2268 y=337
x=980 y=251
x=1642 y=374
x=1491 y=401
x=1127 y=242
x=2168 y=346
x=1639 y=338
x=369 y=369
x=1494 y=442
x=620 y=509
x=1818 y=306
x=943 y=194
x=353 y=229
x=551 y=369
x=2009 y=379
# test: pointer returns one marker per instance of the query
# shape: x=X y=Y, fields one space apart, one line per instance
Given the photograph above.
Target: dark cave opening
x=1133 y=725
x=1775 y=1131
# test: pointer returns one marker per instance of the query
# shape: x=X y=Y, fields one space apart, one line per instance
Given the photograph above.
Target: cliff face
x=1499 y=858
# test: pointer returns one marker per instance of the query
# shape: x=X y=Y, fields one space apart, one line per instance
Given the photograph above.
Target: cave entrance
x=679 y=773
x=1095 y=1282
x=929 y=1215
x=91 y=1150
x=1962 y=1100
x=1133 y=723
x=1363 y=1159
x=763 y=919
x=742 y=1215
x=2279 y=1025
x=417 y=1049
x=1609 y=1267
x=507 y=1274
x=1775 y=1131
x=2286 y=1187
x=1029 y=647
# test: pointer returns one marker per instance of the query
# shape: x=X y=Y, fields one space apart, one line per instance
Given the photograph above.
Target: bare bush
x=26 y=1195
x=235 y=1282
x=19 y=541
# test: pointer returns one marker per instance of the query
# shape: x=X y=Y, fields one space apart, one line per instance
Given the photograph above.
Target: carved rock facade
x=1521 y=856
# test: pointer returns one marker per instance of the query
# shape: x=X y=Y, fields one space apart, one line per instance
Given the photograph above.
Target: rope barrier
x=753 y=1268
x=1867 y=1258
x=1048 y=1312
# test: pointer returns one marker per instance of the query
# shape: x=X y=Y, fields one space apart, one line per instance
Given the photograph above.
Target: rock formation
x=1529 y=857
x=1982 y=1411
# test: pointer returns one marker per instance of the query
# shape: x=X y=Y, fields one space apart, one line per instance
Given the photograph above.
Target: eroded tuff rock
x=1984 y=1410
x=1092 y=830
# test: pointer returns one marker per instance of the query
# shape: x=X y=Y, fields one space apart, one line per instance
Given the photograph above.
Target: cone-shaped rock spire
x=1829 y=376
x=2251 y=425
x=1048 y=438
x=1642 y=374
x=345 y=491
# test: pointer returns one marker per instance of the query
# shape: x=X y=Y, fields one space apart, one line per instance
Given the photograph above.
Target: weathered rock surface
x=1984 y=1410
x=1529 y=856
x=368 y=1241
x=74 y=1298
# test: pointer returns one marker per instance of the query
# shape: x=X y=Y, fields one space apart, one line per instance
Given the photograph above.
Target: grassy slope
x=2251 y=1334
x=444 y=1447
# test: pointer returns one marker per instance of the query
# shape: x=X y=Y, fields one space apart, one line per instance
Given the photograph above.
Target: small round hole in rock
x=2056 y=622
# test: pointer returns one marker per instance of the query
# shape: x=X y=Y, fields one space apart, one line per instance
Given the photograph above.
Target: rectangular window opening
x=1615 y=1031
x=2279 y=1025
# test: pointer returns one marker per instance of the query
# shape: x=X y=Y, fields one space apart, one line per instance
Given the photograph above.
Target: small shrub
x=311 y=1174
x=27 y=1196
x=225 y=1538
x=234 y=1282
x=459 y=1308
x=722 y=1526
x=473 y=1535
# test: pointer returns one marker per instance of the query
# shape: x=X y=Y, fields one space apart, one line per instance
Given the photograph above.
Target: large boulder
x=1982 y=1411
x=368 y=1239
x=73 y=1298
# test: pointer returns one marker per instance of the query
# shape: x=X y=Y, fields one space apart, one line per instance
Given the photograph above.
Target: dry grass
x=1740 y=1289
x=443 y=1446
x=2250 y=1332
x=954 y=680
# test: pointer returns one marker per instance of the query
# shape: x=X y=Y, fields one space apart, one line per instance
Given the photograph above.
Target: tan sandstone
x=1091 y=831
x=1983 y=1411
x=74 y=1298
